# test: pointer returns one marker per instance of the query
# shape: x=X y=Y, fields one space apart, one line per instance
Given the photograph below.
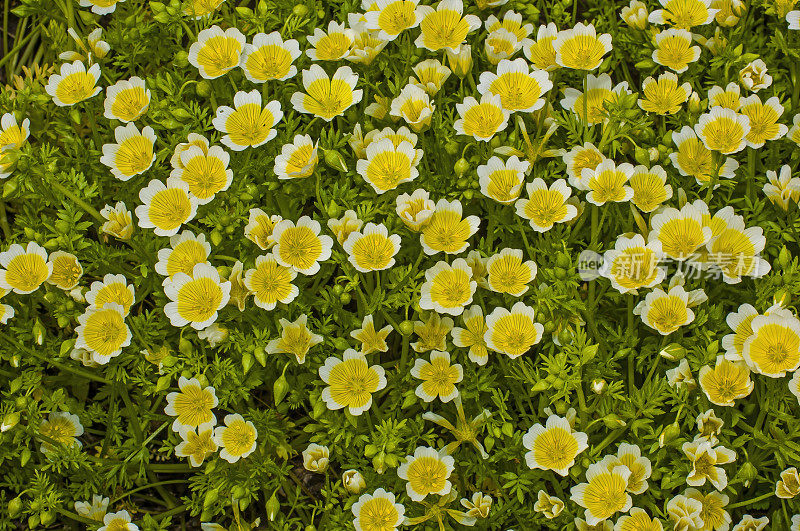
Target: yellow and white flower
x=540 y=52
x=166 y=207
x=519 y=88
x=330 y=45
x=237 y=438
x=24 y=269
x=101 y=7
x=432 y=333
x=126 y=100
x=133 y=154
x=578 y=158
x=740 y=322
x=295 y=339
x=113 y=288
x=754 y=76
x=414 y=106
x=196 y=299
x=513 y=332
x=549 y=506
x=300 y=246
x=327 y=97
x=681 y=232
x=735 y=250
x=415 y=210
x=674 y=50
x=119 y=222
x=316 y=458
x=781 y=188
x=704 y=458
x=685 y=512
x=604 y=494
x=726 y=382
x=481 y=120
x=367 y=44
x=426 y=472
x=430 y=75
x=343 y=226
x=247 y=124
x=764 y=118
x=6 y=312
x=377 y=512
x=73 y=84
x=684 y=14
x=271 y=283
x=196 y=444
x=387 y=166
x=789 y=485
x=439 y=377
x=632 y=265
x=350 y=382
x=501 y=45
x=448 y=231
x=391 y=17
x=502 y=181
x=508 y=273
x=665 y=311
x=192 y=139
x=269 y=58
x=95 y=46
x=298 y=159
x=444 y=27
x=448 y=288
x=650 y=188
x=512 y=22
x=664 y=96
x=63 y=427
x=729 y=98
x=630 y=455
x=372 y=340
x=216 y=52
x=638 y=520
x=260 y=227
x=205 y=171
x=372 y=249
x=461 y=61
x=636 y=16
x=694 y=159
x=94 y=510
x=773 y=348
x=545 y=206
x=599 y=92
x=553 y=446
x=102 y=331
x=198 y=9
x=192 y=405
x=608 y=182
x=472 y=336
x=12 y=137
x=581 y=48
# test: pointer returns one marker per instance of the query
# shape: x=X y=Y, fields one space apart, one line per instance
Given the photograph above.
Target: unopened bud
x=669 y=434
x=673 y=352
x=272 y=507
x=335 y=160
x=10 y=420
x=353 y=481
x=599 y=386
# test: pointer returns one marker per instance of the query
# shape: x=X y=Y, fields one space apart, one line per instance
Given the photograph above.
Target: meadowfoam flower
x=773 y=348
x=665 y=311
x=367 y=44
x=113 y=288
x=198 y=9
x=102 y=332
x=726 y=382
x=448 y=231
x=751 y=523
x=502 y=181
x=260 y=227
x=481 y=120
x=650 y=188
x=205 y=171
x=713 y=513
x=460 y=61
x=599 y=93
x=93 y=510
x=580 y=48
x=439 y=377
x=271 y=283
x=133 y=154
x=269 y=57
x=430 y=76
x=789 y=485
x=444 y=27
x=754 y=76
x=546 y=206
x=519 y=88
x=632 y=264
x=166 y=207
x=372 y=249
x=343 y=226
x=694 y=159
x=377 y=512
x=73 y=84
x=94 y=47
x=119 y=222
x=12 y=137
x=6 y=311
x=426 y=472
x=414 y=106
x=764 y=118
x=447 y=288
x=793 y=18
x=316 y=458
x=684 y=14
x=472 y=335
x=607 y=182
x=509 y=274
x=540 y=52
x=216 y=52
x=126 y=100
x=415 y=210
x=101 y=7
x=578 y=158
x=674 y=50
x=387 y=166
x=685 y=512
x=371 y=340
x=553 y=446
x=704 y=458
x=331 y=45
x=781 y=188
x=63 y=427
x=680 y=232
x=723 y=130
x=604 y=494
x=549 y=506
x=237 y=438
x=432 y=333
x=192 y=405
x=729 y=98
x=196 y=299
x=664 y=96
x=630 y=455
x=196 y=444
x=192 y=139
x=119 y=521
x=300 y=246
x=391 y=17
x=298 y=159
x=24 y=269
x=635 y=15
x=247 y=124
x=295 y=339
x=351 y=382
x=734 y=251
x=326 y=97
x=501 y=44
x=513 y=332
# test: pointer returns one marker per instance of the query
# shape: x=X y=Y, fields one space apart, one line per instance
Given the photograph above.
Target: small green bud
x=15 y=507
x=216 y=237
x=9 y=188
x=599 y=386
x=210 y=497
x=38 y=332
x=370 y=450
x=185 y=347
x=612 y=421
x=379 y=462
x=747 y=473
x=203 y=88
x=272 y=506
x=669 y=434
x=247 y=361
x=784 y=257
x=461 y=166
x=47 y=517
x=181 y=59
x=279 y=389
x=508 y=429
x=180 y=114
x=540 y=386
x=673 y=352
x=451 y=148
x=335 y=160
x=345 y=298
x=10 y=420
x=337 y=290
x=300 y=10
x=33 y=521
x=24 y=457
x=163 y=383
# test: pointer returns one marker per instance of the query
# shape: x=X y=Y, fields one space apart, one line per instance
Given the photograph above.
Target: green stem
x=751 y=501
x=60 y=366
x=77 y=200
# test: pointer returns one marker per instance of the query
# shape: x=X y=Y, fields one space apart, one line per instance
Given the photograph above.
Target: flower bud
x=203 y=88
x=10 y=420
x=406 y=328
x=15 y=507
x=379 y=462
x=210 y=497
x=747 y=473
x=599 y=386
x=38 y=332
x=784 y=257
x=461 y=62
x=280 y=388
x=612 y=421
x=335 y=160
x=24 y=457
x=181 y=59
x=669 y=434
x=247 y=361
x=272 y=507
x=694 y=105
x=673 y=352
x=353 y=481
